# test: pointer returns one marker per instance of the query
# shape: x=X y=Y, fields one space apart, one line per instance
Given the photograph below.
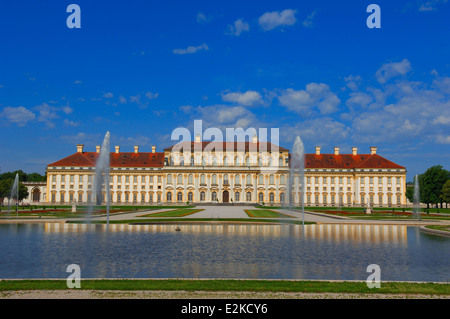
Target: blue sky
x=140 y=69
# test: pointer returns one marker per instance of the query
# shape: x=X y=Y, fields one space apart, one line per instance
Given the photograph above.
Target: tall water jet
x=101 y=178
x=297 y=169
x=416 y=204
x=14 y=194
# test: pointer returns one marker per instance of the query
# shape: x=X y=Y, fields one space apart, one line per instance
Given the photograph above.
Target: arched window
x=271 y=179
x=214 y=179
x=225 y=161
x=169 y=179
x=249 y=197
x=180 y=179
x=280 y=161
x=214 y=196
x=202 y=179
x=260 y=161
x=180 y=197
x=192 y=160
x=171 y=161
x=261 y=197
x=261 y=179
x=191 y=179
x=169 y=197
x=271 y=197
x=225 y=179
x=236 y=196
x=202 y=196
x=249 y=180
x=282 y=198
x=190 y=197
x=282 y=180
x=237 y=179
x=182 y=160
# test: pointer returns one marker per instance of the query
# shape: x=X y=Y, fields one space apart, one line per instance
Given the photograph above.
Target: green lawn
x=265 y=213
x=233 y=285
x=181 y=212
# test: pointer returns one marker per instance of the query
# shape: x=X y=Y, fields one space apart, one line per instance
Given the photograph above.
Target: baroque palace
x=250 y=172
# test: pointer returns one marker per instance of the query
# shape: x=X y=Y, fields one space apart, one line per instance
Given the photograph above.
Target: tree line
x=434 y=187
x=7 y=181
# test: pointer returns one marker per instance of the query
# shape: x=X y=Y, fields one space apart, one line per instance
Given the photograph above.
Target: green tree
x=5 y=189
x=446 y=192
x=431 y=183
x=410 y=193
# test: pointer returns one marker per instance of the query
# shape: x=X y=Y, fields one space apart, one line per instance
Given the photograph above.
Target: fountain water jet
x=101 y=177
x=416 y=204
x=14 y=193
x=297 y=168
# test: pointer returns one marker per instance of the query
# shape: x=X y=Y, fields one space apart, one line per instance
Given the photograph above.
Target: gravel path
x=114 y=294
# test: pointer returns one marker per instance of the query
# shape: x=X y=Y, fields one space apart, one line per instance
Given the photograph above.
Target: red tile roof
x=116 y=160
x=342 y=161
x=348 y=161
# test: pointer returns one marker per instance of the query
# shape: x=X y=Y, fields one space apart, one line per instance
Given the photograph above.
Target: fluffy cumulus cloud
x=394 y=69
x=271 y=20
x=316 y=97
x=191 y=49
x=238 y=27
x=249 y=98
x=17 y=115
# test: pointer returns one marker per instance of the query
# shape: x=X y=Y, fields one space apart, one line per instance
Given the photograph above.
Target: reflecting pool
x=332 y=252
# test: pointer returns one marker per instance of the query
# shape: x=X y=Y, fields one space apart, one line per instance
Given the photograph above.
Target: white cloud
x=67 y=109
x=271 y=20
x=191 y=49
x=316 y=95
x=18 y=115
x=390 y=70
x=71 y=123
x=151 y=96
x=430 y=5
x=77 y=82
x=358 y=99
x=249 y=98
x=308 y=22
x=441 y=119
x=443 y=139
x=238 y=27
x=108 y=95
x=202 y=18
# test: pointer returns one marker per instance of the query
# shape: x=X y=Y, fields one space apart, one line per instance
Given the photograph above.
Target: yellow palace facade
x=229 y=173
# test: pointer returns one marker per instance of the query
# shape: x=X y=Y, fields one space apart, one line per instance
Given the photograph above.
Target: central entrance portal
x=226 y=197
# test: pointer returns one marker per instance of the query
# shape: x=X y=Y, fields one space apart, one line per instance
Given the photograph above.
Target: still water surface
x=340 y=252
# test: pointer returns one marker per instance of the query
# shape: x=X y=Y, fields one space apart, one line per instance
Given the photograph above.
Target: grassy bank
x=232 y=285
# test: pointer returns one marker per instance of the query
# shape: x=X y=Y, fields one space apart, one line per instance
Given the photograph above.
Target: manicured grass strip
x=233 y=285
x=265 y=213
x=174 y=213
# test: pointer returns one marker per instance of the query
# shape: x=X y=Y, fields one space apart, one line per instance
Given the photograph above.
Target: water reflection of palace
x=334 y=232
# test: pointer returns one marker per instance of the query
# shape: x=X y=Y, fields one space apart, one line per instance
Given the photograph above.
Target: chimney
x=136 y=148
x=255 y=138
x=336 y=151
x=117 y=147
x=355 y=150
x=80 y=148
x=317 y=150
x=373 y=150
x=153 y=149
x=198 y=139
x=97 y=148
